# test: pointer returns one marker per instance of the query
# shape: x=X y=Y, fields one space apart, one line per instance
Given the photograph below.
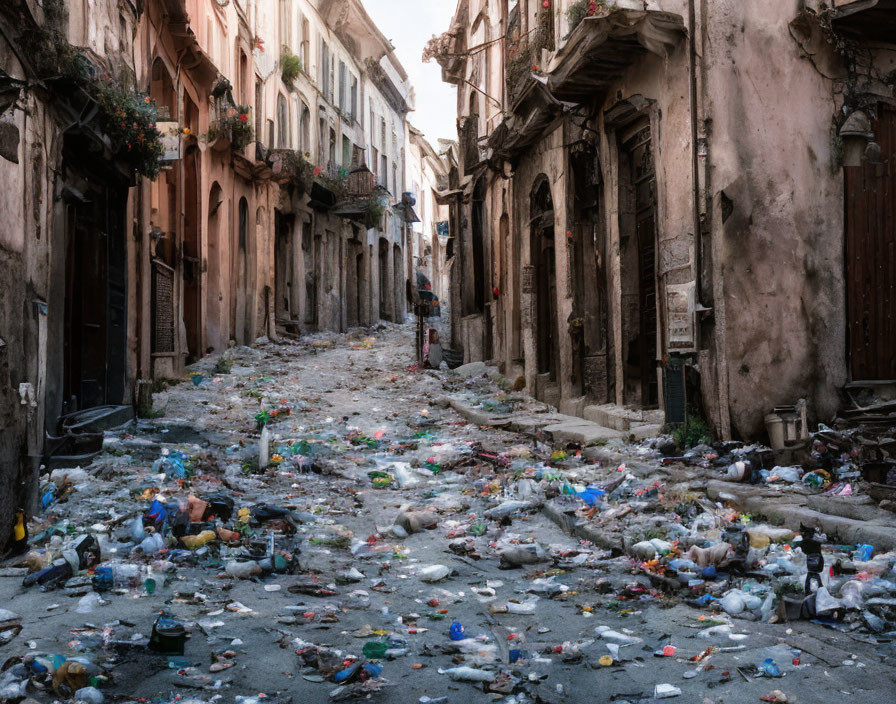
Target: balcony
x=470 y=154
x=865 y=20
x=601 y=48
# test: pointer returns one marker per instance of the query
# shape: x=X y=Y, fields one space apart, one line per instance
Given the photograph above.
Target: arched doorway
x=637 y=254
x=242 y=272
x=542 y=258
x=477 y=228
x=283 y=271
x=215 y=325
x=588 y=321
x=480 y=274
x=354 y=277
x=257 y=307
x=502 y=263
x=192 y=266
x=385 y=289
x=398 y=284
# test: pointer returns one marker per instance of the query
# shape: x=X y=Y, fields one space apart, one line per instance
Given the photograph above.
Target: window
x=324 y=69
x=332 y=87
x=353 y=99
x=395 y=180
x=346 y=150
x=270 y=134
x=383 y=133
x=282 y=123
x=357 y=155
x=384 y=171
x=259 y=108
x=305 y=130
x=304 y=53
x=343 y=86
x=322 y=139
x=375 y=164
x=332 y=146
x=210 y=39
x=285 y=22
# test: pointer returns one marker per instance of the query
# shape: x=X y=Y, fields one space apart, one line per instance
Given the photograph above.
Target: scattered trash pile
x=337 y=531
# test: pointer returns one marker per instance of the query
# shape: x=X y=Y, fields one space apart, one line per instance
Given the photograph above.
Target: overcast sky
x=409 y=24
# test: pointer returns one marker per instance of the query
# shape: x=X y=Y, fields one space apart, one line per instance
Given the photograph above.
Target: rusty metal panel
x=871 y=258
x=162 y=308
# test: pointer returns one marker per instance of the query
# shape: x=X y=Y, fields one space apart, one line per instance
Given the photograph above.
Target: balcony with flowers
x=232 y=128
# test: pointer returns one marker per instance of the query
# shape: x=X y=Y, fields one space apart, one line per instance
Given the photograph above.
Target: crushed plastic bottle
x=468 y=674
x=434 y=573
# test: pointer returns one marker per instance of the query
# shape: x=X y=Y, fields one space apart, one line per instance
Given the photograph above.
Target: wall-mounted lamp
x=856 y=135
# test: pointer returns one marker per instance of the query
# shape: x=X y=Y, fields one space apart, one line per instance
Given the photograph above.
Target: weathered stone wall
x=777 y=249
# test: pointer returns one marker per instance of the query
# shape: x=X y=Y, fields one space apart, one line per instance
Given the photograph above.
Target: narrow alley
x=397 y=547
x=513 y=351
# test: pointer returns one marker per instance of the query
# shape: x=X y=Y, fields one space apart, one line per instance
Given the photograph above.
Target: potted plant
x=290 y=67
x=129 y=120
x=234 y=126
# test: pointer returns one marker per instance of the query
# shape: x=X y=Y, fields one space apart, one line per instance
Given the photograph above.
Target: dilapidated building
x=673 y=203
x=427 y=178
x=180 y=177
x=66 y=247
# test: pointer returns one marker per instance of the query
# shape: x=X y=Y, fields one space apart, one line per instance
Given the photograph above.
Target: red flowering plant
x=581 y=9
x=235 y=124
x=129 y=120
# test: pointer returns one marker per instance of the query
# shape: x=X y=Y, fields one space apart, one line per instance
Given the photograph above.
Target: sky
x=409 y=24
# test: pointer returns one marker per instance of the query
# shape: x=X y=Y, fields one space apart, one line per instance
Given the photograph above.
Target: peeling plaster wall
x=24 y=270
x=780 y=253
x=32 y=256
x=547 y=157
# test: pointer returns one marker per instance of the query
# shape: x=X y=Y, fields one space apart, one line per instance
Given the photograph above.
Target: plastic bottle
x=89 y=695
x=404 y=475
x=434 y=573
x=769 y=668
x=684 y=565
x=123 y=576
x=468 y=674
x=242 y=570
x=151 y=544
x=136 y=530
x=264 y=448
x=54 y=575
x=609 y=634
x=375 y=649
x=19 y=534
x=733 y=603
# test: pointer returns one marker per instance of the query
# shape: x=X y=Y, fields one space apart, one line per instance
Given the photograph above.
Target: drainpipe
x=695 y=160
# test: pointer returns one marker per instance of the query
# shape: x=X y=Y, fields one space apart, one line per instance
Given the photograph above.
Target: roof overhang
x=866 y=20
x=184 y=39
x=533 y=114
x=601 y=49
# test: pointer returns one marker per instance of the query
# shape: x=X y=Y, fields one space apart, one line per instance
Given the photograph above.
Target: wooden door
x=644 y=181
x=871 y=258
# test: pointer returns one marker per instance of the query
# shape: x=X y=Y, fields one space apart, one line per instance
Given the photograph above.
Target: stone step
x=610 y=415
x=864 y=524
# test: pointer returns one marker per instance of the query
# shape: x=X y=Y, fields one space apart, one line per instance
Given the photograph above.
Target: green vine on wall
x=290 y=67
